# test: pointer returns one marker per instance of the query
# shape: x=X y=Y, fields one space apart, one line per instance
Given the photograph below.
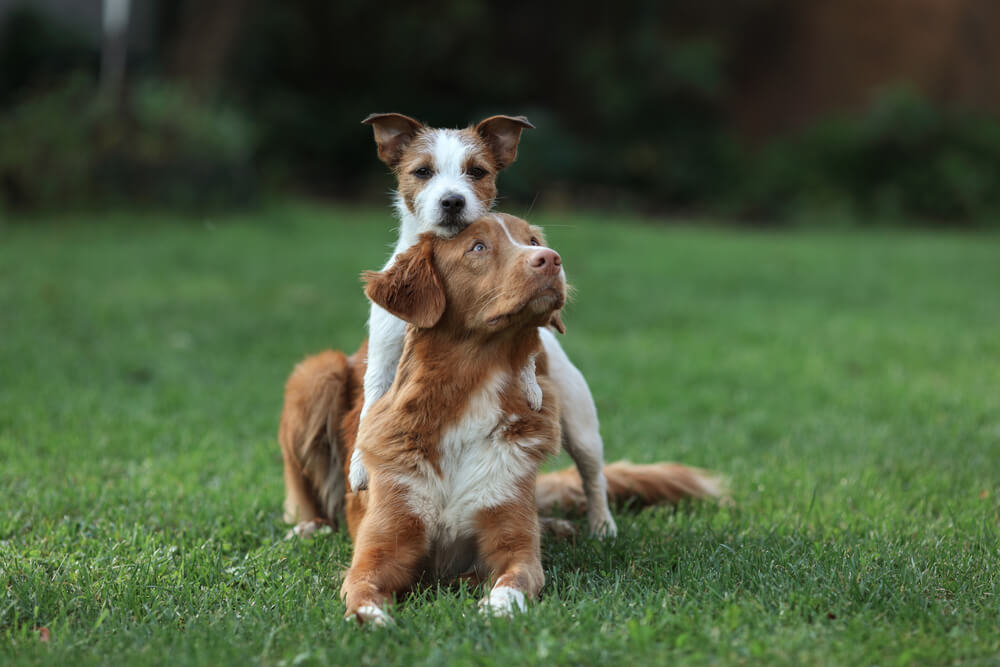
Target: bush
x=902 y=159
x=64 y=147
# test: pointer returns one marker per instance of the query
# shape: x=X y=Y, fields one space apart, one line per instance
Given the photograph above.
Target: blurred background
x=758 y=111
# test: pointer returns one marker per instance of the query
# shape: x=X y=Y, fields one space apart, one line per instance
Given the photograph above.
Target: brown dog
x=453 y=448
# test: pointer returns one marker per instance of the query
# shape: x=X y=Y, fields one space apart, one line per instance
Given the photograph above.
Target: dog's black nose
x=452 y=203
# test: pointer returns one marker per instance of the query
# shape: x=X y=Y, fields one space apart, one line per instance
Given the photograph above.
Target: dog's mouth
x=452 y=225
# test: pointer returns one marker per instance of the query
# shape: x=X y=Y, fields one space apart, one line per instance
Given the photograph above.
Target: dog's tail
x=629 y=485
x=317 y=396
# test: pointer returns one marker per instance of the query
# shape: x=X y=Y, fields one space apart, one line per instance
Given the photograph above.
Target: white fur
x=448 y=152
x=528 y=381
x=502 y=601
x=479 y=468
x=514 y=242
x=448 y=156
x=377 y=616
x=306 y=529
x=581 y=434
x=581 y=431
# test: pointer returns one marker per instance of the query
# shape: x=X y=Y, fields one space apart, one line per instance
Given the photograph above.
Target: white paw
x=502 y=601
x=306 y=529
x=373 y=615
x=358 y=476
x=529 y=385
x=534 y=395
x=603 y=526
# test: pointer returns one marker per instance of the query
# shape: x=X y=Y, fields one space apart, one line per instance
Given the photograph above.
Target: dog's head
x=446 y=178
x=495 y=276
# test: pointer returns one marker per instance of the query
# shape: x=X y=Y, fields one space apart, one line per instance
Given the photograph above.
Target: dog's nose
x=453 y=203
x=546 y=261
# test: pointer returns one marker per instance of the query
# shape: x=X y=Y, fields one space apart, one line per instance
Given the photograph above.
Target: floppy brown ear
x=410 y=289
x=393 y=133
x=556 y=322
x=502 y=134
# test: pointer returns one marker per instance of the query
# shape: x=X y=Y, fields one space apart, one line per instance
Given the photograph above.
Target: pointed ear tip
x=519 y=120
x=372 y=117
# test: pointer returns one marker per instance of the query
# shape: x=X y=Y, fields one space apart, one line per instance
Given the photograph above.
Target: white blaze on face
x=448 y=153
x=517 y=244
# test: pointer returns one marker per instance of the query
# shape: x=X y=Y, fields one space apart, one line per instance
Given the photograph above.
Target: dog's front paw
x=306 y=529
x=371 y=614
x=602 y=526
x=502 y=601
x=529 y=385
x=534 y=395
x=358 y=476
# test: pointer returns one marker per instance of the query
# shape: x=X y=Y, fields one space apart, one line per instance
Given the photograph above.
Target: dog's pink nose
x=546 y=261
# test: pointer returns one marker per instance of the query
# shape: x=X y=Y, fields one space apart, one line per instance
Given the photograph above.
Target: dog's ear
x=410 y=289
x=556 y=322
x=393 y=133
x=502 y=134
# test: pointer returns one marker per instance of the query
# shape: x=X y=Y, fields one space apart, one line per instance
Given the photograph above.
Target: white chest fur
x=479 y=467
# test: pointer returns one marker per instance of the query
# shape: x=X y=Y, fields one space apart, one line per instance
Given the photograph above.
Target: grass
x=848 y=383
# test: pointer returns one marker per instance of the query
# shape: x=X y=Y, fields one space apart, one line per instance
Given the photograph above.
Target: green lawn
x=848 y=383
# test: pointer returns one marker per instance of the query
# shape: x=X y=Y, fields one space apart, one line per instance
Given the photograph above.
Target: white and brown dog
x=453 y=448
x=446 y=179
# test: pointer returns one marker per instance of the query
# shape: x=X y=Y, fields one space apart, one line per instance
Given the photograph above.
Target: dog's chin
x=541 y=306
x=535 y=311
x=450 y=227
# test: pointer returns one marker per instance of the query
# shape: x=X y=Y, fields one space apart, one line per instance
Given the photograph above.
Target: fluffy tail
x=629 y=485
x=317 y=396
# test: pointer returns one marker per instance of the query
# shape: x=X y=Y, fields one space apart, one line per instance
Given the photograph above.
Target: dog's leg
x=315 y=401
x=390 y=545
x=299 y=503
x=508 y=538
x=581 y=434
x=385 y=346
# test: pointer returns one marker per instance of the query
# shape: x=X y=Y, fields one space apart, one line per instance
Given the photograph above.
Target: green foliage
x=65 y=146
x=633 y=104
x=36 y=51
x=902 y=159
x=842 y=380
x=625 y=109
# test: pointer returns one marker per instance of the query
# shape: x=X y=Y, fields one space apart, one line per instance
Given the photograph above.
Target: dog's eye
x=534 y=241
x=423 y=172
x=478 y=246
x=476 y=173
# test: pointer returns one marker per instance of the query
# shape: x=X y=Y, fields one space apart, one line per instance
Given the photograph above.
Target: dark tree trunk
x=203 y=42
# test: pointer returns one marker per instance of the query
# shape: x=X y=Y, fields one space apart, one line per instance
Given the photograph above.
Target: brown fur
x=628 y=484
x=417 y=155
x=495 y=297
x=472 y=314
x=402 y=144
